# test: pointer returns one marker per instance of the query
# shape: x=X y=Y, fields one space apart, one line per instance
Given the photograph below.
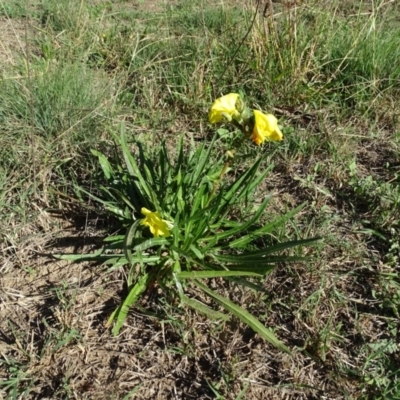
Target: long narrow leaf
x=245 y=316
x=250 y=285
x=133 y=167
x=80 y=257
x=231 y=195
x=245 y=225
x=258 y=269
x=212 y=314
x=92 y=196
x=198 y=200
x=125 y=199
x=214 y=274
x=128 y=241
x=203 y=157
x=121 y=312
x=151 y=243
x=266 y=229
x=254 y=182
x=277 y=248
x=116 y=238
x=104 y=163
x=114 y=260
x=239 y=259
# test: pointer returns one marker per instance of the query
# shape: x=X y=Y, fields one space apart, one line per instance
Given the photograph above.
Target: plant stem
x=217 y=183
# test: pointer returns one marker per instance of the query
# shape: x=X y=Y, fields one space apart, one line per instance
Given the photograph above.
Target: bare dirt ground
x=53 y=314
x=53 y=318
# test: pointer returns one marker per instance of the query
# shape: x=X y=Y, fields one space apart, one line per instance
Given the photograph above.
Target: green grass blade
x=125 y=199
x=253 y=182
x=114 y=260
x=92 y=196
x=116 y=238
x=250 y=285
x=198 y=200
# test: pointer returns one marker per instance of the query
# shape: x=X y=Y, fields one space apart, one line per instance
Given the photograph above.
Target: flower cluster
x=264 y=127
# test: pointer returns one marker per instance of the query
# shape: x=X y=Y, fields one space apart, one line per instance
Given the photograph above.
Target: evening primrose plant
x=187 y=220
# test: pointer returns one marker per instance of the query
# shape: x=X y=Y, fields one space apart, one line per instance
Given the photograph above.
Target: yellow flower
x=265 y=128
x=158 y=227
x=224 y=108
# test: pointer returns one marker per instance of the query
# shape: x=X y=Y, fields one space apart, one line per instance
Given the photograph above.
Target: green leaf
x=106 y=259
x=277 y=248
x=116 y=210
x=105 y=165
x=236 y=190
x=210 y=313
x=222 y=131
x=80 y=257
x=250 y=285
x=128 y=241
x=125 y=199
x=245 y=317
x=255 y=181
x=116 y=238
x=135 y=292
x=198 y=200
x=244 y=226
x=134 y=259
x=98 y=199
x=258 y=269
x=197 y=230
x=133 y=167
x=151 y=243
x=214 y=274
x=196 y=251
x=200 y=159
x=247 y=224
x=241 y=259
x=264 y=230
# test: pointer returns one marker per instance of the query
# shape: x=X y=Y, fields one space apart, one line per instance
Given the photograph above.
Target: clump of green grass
x=56 y=100
x=15 y=9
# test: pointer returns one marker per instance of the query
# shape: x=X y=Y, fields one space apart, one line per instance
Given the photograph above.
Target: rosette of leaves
x=208 y=239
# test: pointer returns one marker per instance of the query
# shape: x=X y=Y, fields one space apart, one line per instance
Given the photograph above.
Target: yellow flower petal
x=265 y=128
x=224 y=108
x=158 y=226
